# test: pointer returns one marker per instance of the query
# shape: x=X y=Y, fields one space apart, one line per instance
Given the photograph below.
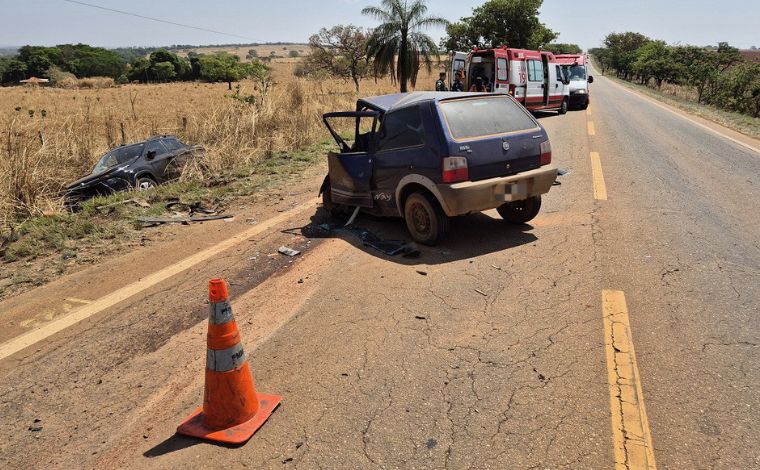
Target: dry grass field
x=50 y=137
x=264 y=50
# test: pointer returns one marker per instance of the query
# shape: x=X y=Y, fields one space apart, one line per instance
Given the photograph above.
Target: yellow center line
x=591 y=129
x=600 y=189
x=588 y=109
x=77 y=301
x=632 y=441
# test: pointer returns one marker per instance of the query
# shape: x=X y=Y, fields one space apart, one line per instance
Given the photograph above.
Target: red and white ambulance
x=534 y=78
x=575 y=67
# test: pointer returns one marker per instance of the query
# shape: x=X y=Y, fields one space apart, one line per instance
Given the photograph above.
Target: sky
x=584 y=22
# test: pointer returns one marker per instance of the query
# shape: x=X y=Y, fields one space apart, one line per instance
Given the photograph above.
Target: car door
x=176 y=158
x=156 y=158
x=350 y=170
x=401 y=149
x=535 y=91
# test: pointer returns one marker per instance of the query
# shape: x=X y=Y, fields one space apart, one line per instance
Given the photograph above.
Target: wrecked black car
x=429 y=156
x=140 y=166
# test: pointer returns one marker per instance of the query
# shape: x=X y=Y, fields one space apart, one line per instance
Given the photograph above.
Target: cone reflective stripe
x=232 y=410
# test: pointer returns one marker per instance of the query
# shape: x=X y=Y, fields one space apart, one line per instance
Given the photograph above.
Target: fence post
x=123 y=134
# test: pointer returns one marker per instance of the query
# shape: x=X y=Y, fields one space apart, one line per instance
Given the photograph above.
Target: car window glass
x=502 y=69
x=171 y=144
x=156 y=146
x=535 y=71
x=401 y=129
x=118 y=156
x=472 y=118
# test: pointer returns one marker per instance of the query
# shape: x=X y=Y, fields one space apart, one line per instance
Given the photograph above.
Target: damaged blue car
x=430 y=156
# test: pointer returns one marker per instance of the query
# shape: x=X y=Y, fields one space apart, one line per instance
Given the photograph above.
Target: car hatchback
x=428 y=156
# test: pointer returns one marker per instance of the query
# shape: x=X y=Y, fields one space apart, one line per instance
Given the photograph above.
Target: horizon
x=206 y=25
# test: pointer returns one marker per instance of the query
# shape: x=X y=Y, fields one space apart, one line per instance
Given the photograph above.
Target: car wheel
x=144 y=183
x=585 y=105
x=337 y=211
x=425 y=220
x=520 y=212
x=563 y=107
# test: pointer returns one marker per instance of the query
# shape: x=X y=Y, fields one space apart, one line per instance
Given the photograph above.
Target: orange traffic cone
x=232 y=410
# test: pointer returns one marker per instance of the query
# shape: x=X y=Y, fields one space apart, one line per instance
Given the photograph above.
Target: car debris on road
x=288 y=251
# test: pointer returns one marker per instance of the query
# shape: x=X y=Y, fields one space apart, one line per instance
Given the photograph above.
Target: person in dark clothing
x=440 y=84
x=478 y=85
x=458 y=84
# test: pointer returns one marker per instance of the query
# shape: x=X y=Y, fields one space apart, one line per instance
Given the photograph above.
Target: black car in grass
x=140 y=166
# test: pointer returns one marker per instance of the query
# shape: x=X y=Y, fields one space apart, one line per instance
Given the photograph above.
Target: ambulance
x=534 y=78
x=575 y=67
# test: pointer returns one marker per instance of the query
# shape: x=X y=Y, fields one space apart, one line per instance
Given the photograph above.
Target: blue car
x=429 y=156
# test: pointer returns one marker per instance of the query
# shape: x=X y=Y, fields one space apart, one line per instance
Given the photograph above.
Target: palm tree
x=397 y=45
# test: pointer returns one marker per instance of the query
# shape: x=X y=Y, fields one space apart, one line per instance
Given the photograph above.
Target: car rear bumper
x=475 y=196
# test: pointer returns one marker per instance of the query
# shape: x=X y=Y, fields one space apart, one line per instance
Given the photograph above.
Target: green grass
x=103 y=218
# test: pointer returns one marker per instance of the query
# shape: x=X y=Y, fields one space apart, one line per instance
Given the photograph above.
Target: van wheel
x=520 y=212
x=425 y=220
x=563 y=107
x=585 y=105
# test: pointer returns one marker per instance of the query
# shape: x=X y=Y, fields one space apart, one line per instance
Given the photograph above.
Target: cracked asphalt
x=486 y=352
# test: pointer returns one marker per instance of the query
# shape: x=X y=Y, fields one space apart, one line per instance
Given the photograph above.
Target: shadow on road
x=469 y=237
x=172 y=444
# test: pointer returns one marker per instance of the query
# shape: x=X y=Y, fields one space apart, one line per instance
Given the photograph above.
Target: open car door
x=350 y=170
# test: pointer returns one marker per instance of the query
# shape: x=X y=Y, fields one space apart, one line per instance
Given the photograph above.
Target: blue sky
x=585 y=22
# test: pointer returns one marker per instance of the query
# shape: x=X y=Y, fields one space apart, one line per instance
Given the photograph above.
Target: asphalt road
x=501 y=348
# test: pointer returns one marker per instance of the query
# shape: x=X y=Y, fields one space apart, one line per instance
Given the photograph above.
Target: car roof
x=387 y=103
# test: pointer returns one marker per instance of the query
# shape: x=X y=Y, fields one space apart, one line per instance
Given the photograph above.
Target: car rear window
x=480 y=117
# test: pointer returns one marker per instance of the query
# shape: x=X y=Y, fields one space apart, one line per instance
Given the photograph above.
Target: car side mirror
x=591 y=79
x=150 y=155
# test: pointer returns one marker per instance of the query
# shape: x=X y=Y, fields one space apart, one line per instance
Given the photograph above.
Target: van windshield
x=480 y=117
x=575 y=72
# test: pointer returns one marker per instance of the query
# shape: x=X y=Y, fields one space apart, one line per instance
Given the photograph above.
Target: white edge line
x=32 y=337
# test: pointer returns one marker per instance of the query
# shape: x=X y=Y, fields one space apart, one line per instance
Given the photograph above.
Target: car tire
x=339 y=212
x=520 y=212
x=425 y=220
x=143 y=183
x=585 y=105
x=563 y=107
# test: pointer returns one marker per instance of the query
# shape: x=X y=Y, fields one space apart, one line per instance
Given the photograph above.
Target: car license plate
x=516 y=191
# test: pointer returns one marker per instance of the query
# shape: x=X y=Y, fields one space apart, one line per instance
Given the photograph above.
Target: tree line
x=82 y=60
x=720 y=76
x=398 y=46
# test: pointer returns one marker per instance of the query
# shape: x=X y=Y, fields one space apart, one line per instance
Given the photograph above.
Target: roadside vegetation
x=40 y=248
x=718 y=76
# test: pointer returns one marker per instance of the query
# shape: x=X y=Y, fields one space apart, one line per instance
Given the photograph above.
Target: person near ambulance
x=458 y=84
x=440 y=84
x=478 y=85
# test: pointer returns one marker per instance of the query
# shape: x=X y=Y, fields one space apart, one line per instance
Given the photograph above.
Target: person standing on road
x=440 y=84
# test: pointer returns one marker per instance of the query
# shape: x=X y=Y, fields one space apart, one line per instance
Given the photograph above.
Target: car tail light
x=546 y=153
x=512 y=90
x=455 y=169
